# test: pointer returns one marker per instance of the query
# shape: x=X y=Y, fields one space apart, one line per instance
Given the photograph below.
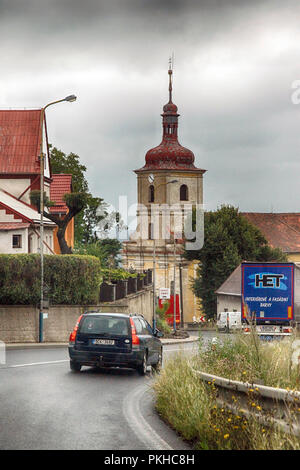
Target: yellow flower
x=253 y=404
x=226 y=436
x=258 y=408
x=251 y=390
x=235 y=427
x=229 y=420
x=263 y=430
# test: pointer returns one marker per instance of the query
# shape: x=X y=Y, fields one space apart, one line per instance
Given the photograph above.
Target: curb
x=15 y=346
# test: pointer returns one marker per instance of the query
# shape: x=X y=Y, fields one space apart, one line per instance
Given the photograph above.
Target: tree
x=228 y=240
x=75 y=203
x=106 y=250
x=88 y=217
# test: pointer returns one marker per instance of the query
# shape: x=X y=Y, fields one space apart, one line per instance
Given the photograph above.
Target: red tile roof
x=282 y=230
x=19 y=141
x=61 y=184
x=13 y=225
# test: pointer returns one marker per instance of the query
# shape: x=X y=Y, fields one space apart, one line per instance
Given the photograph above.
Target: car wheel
x=157 y=367
x=75 y=366
x=142 y=368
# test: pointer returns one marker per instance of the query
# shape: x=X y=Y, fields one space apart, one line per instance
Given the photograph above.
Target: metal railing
x=277 y=406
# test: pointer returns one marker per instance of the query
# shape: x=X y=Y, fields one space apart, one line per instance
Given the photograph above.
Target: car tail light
x=74 y=332
x=287 y=330
x=135 y=338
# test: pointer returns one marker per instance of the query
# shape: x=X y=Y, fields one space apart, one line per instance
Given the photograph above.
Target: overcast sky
x=235 y=64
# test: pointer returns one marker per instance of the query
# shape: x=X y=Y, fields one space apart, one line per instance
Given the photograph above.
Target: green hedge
x=71 y=279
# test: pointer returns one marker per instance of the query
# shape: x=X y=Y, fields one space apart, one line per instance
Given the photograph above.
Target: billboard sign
x=268 y=291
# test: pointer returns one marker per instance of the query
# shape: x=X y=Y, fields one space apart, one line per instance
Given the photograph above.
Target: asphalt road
x=43 y=405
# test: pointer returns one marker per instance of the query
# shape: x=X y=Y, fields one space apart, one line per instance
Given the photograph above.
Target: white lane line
x=34 y=364
x=142 y=429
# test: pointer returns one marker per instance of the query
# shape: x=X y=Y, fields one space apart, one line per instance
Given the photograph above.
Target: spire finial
x=170 y=72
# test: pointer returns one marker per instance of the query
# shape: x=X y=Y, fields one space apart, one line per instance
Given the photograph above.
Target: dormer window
x=184 y=194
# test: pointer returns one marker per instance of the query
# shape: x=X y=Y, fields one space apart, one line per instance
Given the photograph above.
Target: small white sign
x=45 y=315
x=164 y=293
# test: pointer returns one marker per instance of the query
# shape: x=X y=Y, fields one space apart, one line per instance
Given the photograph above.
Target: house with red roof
x=20 y=147
x=282 y=230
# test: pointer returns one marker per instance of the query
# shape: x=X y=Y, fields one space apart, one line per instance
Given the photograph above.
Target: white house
x=20 y=138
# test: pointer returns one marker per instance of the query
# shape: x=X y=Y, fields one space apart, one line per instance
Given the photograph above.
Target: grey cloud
x=234 y=65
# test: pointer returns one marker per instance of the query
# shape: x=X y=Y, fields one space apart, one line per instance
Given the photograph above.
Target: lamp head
x=71 y=98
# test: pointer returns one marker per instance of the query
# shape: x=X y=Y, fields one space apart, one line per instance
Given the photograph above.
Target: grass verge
x=190 y=406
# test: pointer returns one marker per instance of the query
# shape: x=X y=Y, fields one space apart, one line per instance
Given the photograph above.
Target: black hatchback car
x=114 y=340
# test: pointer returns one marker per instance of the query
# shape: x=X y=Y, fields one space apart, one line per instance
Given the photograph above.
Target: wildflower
x=235 y=427
x=253 y=404
x=226 y=436
x=257 y=389
x=258 y=408
x=229 y=420
x=251 y=390
x=263 y=431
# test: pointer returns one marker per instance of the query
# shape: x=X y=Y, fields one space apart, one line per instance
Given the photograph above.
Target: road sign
x=164 y=293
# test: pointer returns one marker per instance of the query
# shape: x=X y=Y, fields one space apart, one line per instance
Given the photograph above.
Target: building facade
x=168 y=186
x=21 y=134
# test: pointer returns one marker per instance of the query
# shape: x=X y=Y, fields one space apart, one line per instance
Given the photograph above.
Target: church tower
x=168 y=182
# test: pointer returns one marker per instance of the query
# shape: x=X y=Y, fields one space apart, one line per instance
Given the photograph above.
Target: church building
x=168 y=183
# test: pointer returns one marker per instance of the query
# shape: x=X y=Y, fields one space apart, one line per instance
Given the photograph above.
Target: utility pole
x=181 y=297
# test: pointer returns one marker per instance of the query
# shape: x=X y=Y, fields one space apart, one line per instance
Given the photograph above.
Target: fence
x=119 y=289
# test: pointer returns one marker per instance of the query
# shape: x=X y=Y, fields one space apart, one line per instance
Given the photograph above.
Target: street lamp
x=69 y=98
x=151 y=180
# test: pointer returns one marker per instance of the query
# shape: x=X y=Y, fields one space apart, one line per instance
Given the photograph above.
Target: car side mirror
x=158 y=334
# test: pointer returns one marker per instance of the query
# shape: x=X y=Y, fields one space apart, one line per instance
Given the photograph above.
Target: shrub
x=69 y=279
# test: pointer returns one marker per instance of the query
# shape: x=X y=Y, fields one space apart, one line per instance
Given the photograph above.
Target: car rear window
x=104 y=325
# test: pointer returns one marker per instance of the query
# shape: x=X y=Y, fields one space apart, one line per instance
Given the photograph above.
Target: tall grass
x=192 y=408
x=245 y=358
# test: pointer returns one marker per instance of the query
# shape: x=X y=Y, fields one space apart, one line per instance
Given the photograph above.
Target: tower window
x=184 y=193
x=151 y=193
x=150 y=231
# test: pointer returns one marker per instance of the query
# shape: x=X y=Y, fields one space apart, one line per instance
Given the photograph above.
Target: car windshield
x=104 y=325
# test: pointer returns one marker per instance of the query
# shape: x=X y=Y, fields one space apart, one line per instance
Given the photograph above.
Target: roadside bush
x=161 y=321
x=69 y=279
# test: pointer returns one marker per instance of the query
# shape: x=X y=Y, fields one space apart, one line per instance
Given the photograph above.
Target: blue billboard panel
x=268 y=291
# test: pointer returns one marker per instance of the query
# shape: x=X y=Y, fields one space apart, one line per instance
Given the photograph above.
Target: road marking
x=142 y=429
x=34 y=364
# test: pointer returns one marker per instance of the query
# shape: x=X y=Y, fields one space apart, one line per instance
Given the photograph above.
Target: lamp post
x=69 y=98
x=151 y=180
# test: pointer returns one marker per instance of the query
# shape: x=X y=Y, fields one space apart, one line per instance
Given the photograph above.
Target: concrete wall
x=231 y=302
x=20 y=324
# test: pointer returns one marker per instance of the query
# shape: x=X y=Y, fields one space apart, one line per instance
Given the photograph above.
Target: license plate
x=268 y=328
x=103 y=341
